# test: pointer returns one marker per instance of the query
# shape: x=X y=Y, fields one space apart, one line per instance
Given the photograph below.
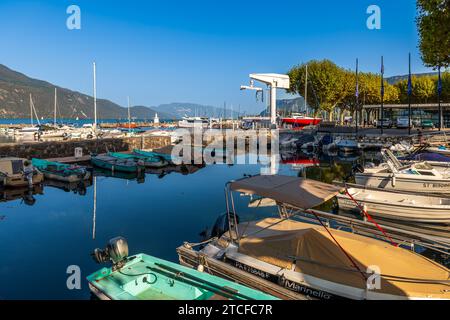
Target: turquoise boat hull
x=61 y=171
x=144 y=277
x=149 y=161
x=164 y=156
x=115 y=164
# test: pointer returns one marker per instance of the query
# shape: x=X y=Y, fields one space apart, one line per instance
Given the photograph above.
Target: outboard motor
x=116 y=251
x=358 y=168
x=221 y=225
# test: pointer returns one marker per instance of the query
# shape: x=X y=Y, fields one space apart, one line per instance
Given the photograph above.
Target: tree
x=433 y=22
x=326 y=84
x=423 y=89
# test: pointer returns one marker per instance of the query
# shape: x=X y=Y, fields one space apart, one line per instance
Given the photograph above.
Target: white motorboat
x=347 y=145
x=418 y=177
x=194 y=122
x=441 y=150
x=397 y=206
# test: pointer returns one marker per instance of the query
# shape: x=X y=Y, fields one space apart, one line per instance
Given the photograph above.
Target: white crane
x=273 y=81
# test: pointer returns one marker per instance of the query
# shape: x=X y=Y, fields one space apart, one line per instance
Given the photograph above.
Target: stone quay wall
x=59 y=149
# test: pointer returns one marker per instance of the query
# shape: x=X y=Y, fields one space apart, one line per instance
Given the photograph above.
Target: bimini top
x=297 y=192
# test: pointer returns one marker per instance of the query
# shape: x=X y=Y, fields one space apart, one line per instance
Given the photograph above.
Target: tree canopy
x=433 y=23
x=331 y=86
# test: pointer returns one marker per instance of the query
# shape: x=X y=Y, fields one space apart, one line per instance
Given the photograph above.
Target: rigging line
x=342 y=249
x=369 y=217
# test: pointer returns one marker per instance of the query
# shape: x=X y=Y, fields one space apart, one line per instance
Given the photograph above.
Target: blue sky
x=198 y=51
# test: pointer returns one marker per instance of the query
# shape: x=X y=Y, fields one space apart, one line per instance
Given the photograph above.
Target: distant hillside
x=395 y=79
x=16 y=87
x=192 y=109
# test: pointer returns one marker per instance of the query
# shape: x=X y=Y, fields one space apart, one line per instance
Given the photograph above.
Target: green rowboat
x=61 y=171
x=144 y=277
x=115 y=164
x=149 y=161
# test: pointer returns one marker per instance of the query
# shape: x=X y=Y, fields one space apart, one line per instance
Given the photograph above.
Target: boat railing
x=365 y=228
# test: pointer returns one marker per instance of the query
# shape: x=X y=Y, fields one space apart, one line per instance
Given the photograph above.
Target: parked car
x=402 y=122
x=386 y=123
x=427 y=124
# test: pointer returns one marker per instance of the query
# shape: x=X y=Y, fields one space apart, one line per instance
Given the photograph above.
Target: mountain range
x=15 y=90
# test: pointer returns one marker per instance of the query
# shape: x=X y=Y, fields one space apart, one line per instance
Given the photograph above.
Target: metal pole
x=439 y=98
x=382 y=94
x=409 y=95
x=95 y=97
x=54 y=116
x=357 y=97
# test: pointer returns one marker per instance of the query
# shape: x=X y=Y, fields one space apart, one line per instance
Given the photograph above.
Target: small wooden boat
x=398 y=206
x=143 y=277
x=115 y=164
x=19 y=172
x=61 y=171
x=149 y=161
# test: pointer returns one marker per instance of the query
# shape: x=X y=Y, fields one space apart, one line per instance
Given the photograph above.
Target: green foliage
x=433 y=22
x=331 y=86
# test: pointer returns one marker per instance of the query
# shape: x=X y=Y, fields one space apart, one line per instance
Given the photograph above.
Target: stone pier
x=58 y=149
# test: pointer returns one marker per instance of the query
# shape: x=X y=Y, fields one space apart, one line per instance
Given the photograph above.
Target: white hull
x=413 y=183
x=397 y=206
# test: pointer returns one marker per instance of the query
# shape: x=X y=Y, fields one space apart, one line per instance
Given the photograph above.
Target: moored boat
x=143 y=277
x=311 y=259
x=397 y=206
x=19 y=172
x=166 y=157
x=115 y=164
x=300 y=121
x=61 y=171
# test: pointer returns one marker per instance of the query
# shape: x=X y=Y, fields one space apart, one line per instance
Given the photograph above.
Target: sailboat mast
x=54 y=116
x=31 y=111
x=306 y=89
x=95 y=96
x=129 y=115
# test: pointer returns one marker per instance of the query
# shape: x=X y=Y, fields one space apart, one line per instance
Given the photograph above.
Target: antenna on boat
x=95 y=96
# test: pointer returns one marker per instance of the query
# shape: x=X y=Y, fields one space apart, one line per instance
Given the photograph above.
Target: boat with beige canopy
x=312 y=260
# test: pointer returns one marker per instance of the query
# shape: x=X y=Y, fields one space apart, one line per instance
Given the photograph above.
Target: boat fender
x=393 y=180
x=200 y=268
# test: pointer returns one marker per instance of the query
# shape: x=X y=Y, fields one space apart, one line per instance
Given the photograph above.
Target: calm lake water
x=39 y=241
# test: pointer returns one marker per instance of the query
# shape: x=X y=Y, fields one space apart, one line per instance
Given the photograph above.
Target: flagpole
x=409 y=94
x=357 y=97
x=439 y=97
x=382 y=94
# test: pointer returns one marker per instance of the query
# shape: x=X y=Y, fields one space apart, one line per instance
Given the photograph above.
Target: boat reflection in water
x=25 y=194
x=77 y=187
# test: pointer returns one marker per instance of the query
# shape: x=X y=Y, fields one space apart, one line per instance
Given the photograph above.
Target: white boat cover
x=297 y=192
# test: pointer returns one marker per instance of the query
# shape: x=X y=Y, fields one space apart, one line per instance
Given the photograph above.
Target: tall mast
x=129 y=118
x=54 y=116
x=31 y=110
x=306 y=88
x=95 y=97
